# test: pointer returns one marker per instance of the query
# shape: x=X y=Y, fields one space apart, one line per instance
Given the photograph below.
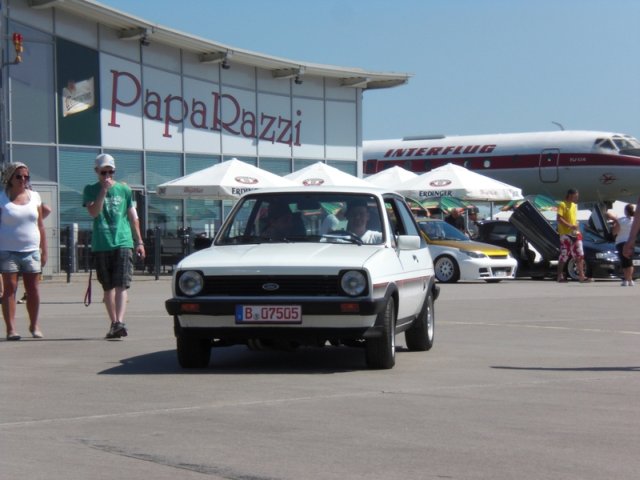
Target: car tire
x=193 y=352
x=446 y=269
x=419 y=337
x=572 y=270
x=381 y=351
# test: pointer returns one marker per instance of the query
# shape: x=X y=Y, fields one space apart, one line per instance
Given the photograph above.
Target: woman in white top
x=23 y=246
x=621 y=229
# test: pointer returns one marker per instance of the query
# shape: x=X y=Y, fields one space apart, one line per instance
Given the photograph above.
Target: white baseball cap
x=105 y=160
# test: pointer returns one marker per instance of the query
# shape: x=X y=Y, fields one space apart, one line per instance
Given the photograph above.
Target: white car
x=456 y=257
x=273 y=279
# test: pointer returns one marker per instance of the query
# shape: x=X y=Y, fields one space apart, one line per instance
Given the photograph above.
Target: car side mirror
x=408 y=242
x=511 y=238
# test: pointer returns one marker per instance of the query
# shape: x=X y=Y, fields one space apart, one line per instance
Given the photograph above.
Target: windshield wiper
x=343 y=235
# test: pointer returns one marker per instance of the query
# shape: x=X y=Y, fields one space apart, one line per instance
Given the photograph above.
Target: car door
x=414 y=280
x=537 y=230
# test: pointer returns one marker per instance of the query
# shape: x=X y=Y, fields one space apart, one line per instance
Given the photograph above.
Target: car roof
x=323 y=189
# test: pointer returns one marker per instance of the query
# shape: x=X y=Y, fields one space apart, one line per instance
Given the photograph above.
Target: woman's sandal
x=36 y=333
x=13 y=337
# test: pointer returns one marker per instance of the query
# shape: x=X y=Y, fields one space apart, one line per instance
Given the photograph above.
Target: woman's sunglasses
x=22 y=177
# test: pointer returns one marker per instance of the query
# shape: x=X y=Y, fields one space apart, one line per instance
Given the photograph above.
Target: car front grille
x=287 y=285
x=499 y=257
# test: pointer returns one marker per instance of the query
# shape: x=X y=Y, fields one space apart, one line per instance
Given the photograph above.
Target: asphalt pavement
x=526 y=380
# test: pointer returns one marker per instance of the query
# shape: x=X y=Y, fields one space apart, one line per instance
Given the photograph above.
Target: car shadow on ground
x=241 y=360
x=572 y=369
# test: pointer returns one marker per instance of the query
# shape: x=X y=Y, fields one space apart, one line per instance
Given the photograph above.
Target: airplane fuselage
x=603 y=166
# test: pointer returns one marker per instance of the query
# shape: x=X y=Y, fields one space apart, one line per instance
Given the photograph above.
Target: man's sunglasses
x=107 y=172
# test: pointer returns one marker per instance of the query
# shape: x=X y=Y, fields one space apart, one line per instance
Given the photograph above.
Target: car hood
x=489 y=250
x=281 y=256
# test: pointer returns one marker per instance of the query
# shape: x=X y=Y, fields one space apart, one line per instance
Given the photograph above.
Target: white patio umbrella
x=223 y=181
x=455 y=181
x=391 y=177
x=322 y=174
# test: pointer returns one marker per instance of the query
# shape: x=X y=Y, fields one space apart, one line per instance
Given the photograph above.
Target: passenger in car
x=357 y=220
x=279 y=221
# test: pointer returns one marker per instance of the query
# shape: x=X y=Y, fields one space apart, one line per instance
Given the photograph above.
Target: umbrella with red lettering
x=223 y=181
x=455 y=181
x=391 y=177
x=320 y=173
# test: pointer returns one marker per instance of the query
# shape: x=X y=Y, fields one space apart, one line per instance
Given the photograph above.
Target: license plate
x=636 y=263
x=500 y=273
x=268 y=314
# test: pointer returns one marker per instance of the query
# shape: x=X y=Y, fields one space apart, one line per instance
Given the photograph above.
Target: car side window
x=401 y=218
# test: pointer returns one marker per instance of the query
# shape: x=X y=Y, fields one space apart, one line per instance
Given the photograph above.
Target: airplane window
x=606 y=144
x=625 y=144
x=487 y=163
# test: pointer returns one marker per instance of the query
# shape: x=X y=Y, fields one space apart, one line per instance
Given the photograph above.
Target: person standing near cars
x=621 y=229
x=115 y=220
x=456 y=219
x=23 y=246
x=570 y=236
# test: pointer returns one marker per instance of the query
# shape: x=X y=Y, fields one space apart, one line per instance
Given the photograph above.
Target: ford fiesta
x=456 y=257
x=308 y=266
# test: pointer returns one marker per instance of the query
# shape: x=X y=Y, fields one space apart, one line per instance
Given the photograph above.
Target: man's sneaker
x=631 y=283
x=117 y=330
x=624 y=283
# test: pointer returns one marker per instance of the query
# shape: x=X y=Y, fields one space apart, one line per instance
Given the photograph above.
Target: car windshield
x=441 y=230
x=304 y=217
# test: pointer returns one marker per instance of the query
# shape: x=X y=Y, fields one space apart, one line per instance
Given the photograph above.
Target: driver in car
x=357 y=220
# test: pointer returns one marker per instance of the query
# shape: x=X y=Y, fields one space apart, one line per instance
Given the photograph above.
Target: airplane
x=603 y=166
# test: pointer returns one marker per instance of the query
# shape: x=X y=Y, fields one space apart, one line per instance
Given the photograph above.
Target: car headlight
x=190 y=283
x=353 y=282
x=609 y=256
x=473 y=254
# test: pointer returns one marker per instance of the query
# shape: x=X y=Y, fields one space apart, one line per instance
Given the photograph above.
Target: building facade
x=80 y=78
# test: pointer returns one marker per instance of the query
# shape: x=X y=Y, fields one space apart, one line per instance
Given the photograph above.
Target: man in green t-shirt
x=114 y=221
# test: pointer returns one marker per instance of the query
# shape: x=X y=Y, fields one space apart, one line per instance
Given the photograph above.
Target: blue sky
x=479 y=66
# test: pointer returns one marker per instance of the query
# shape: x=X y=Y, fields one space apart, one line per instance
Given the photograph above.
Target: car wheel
x=193 y=352
x=572 y=270
x=419 y=337
x=446 y=269
x=381 y=351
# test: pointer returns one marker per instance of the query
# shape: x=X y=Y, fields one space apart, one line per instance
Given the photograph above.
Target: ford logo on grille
x=270 y=287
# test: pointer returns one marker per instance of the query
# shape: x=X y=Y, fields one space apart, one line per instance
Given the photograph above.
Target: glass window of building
x=203 y=216
x=348 y=167
x=279 y=166
x=76 y=171
x=31 y=87
x=163 y=214
x=40 y=160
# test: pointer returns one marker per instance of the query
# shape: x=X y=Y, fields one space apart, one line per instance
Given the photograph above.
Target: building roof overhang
x=130 y=27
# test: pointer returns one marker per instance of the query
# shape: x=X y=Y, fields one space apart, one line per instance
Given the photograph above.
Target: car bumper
x=481 y=269
x=213 y=316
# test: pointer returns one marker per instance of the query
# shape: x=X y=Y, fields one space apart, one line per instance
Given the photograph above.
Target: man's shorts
x=114 y=268
x=23 y=262
x=570 y=247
